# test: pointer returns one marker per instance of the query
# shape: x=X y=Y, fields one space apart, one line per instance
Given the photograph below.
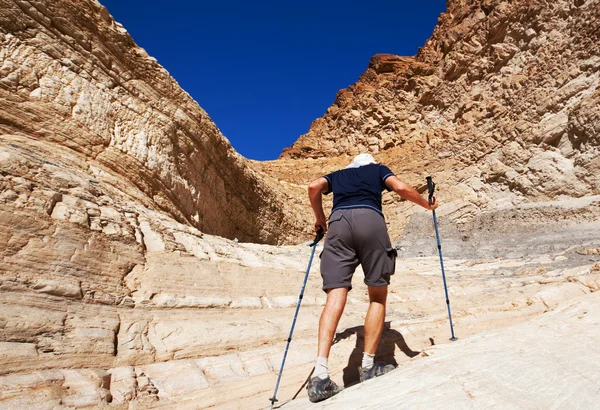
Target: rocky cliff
x=504 y=94
x=78 y=97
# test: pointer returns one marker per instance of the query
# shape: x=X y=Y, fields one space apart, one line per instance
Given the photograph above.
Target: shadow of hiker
x=390 y=338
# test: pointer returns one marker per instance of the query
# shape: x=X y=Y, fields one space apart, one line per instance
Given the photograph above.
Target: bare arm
x=409 y=193
x=315 y=190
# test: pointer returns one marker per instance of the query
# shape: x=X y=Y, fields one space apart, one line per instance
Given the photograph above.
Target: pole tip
x=453 y=339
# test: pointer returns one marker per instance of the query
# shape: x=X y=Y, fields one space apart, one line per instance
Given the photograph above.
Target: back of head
x=362 y=159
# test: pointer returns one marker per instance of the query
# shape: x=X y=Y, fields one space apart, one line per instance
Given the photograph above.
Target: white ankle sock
x=368 y=360
x=321 y=370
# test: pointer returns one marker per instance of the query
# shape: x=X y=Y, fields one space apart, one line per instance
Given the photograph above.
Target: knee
x=336 y=298
x=378 y=294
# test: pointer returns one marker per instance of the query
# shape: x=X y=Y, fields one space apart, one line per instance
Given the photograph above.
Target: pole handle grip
x=318 y=237
x=430 y=189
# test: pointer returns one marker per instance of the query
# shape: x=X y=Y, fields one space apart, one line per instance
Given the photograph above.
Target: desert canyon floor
x=528 y=329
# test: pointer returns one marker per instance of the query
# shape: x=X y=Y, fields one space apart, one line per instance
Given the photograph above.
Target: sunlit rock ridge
x=505 y=90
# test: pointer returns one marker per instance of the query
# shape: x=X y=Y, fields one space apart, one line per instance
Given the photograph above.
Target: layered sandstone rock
x=105 y=162
x=194 y=332
x=500 y=105
x=74 y=84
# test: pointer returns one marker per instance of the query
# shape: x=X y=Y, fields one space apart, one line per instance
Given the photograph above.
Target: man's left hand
x=321 y=224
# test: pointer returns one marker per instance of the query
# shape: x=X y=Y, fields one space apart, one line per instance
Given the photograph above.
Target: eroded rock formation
x=504 y=94
x=74 y=85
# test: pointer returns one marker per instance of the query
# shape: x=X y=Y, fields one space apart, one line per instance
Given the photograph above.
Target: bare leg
x=332 y=312
x=375 y=318
x=320 y=386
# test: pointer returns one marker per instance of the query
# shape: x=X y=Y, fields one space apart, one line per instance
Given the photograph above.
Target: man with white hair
x=357 y=235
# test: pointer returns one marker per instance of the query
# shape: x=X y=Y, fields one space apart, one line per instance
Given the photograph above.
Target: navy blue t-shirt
x=358 y=187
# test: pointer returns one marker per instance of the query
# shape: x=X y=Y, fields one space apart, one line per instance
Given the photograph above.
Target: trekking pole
x=431 y=188
x=319 y=236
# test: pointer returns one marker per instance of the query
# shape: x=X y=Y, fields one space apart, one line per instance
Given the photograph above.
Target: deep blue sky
x=264 y=70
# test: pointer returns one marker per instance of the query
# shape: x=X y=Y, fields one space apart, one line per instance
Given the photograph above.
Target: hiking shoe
x=377 y=370
x=321 y=389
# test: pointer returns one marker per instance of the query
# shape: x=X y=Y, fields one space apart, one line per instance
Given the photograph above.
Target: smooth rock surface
x=551 y=361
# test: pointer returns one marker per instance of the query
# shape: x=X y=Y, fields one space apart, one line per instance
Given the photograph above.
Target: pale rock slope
x=210 y=333
x=551 y=361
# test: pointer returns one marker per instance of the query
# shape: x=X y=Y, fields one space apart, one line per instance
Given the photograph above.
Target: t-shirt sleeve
x=384 y=173
x=329 y=178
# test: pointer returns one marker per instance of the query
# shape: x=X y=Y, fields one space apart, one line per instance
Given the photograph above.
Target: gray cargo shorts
x=357 y=236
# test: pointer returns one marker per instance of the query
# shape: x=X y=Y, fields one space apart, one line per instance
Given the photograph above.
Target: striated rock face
x=110 y=177
x=504 y=92
x=78 y=99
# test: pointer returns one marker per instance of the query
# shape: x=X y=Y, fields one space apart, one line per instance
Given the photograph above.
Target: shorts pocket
x=390 y=266
x=336 y=216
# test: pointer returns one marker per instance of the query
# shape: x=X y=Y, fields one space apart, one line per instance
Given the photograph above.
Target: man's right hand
x=433 y=205
x=409 y=193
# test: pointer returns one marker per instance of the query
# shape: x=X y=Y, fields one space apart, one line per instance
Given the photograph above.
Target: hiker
x=357 y=235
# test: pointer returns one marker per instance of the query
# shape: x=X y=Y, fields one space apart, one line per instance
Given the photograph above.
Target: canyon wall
x=504 y=93
x=74 y=85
